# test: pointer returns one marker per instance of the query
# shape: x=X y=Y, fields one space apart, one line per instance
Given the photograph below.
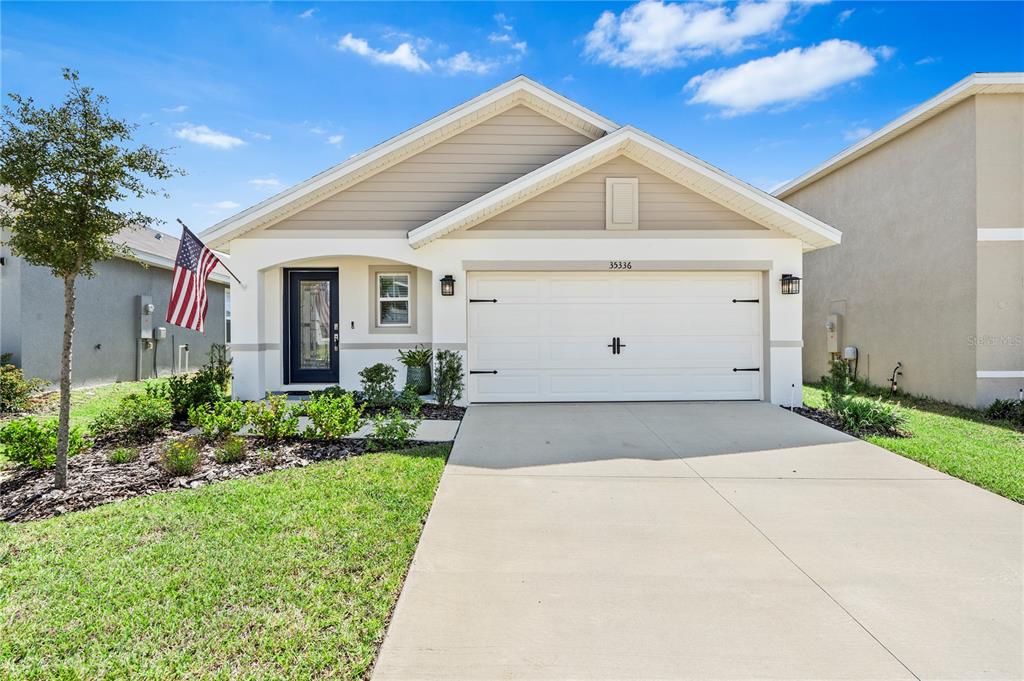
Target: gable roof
x=674 y=163
x=974 y=84
x=518 y=91
x=155 y=248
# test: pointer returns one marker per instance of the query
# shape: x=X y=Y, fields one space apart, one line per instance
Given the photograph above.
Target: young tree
x=63 y=170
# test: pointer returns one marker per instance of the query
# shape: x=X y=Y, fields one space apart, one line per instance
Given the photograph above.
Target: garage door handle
x=492 y=371
x=754 y=369
x=483 y=300
x=746 y=300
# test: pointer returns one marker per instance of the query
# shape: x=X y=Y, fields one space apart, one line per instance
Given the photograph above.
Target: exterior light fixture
x=790 y=284
x=447 y=285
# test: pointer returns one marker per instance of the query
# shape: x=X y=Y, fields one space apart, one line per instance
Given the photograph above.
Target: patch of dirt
x=830 y=420
x=27 y=494
x=429 y=411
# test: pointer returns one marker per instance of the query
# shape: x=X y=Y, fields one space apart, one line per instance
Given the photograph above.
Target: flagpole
x=219 y=261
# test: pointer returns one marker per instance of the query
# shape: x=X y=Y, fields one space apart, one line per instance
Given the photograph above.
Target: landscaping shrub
x=186 y=391
x=31 y=443
x=837 y=385
x=268 y=456
x=330 y=391
x=273 y=419
x=179 y=457
x=331 y=418
x=1007 y=410
x=217 y=420
x=391 y=431
x=135 y=418
x=15 y=389
x=409 y=401
x=232 y=450
x=378 y=382
x=122 y=455
x=862 y=413
x=218 y=366
x=448 y=377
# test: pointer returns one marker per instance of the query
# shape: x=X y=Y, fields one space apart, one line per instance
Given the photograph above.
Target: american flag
x=188 y=293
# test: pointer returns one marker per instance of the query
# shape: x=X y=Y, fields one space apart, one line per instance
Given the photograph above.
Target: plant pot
x=419 y=377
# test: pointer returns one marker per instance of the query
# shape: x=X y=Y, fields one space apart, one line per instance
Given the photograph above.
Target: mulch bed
x=429 y=411
x=27 y=494
x=830 y=420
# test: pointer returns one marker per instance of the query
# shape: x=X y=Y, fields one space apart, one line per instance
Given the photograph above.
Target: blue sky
x=253 y=97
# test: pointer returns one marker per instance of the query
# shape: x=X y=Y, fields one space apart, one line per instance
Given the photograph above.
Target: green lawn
x=958 y=441
x=290 y=574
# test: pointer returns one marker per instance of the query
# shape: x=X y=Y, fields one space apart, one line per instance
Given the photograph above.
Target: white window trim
x=407 y=298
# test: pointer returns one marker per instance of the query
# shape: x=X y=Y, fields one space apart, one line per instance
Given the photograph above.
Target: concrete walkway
x=703 y=541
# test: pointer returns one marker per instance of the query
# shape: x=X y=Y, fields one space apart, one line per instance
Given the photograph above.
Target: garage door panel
x=548 y=336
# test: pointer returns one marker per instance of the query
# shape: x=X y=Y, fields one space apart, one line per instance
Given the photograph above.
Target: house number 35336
x=620 y=265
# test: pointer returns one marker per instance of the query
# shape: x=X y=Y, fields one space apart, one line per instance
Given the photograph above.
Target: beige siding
x=905 y=276
x=579 y=204
x=445 y=176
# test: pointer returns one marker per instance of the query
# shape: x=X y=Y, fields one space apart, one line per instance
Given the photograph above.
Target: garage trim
x=602 y=265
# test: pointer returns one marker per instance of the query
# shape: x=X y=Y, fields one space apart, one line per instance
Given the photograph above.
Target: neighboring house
x=109 y=343
x=931 y=270
x=584 y=261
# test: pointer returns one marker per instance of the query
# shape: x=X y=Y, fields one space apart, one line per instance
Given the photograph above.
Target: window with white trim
x=393 y=298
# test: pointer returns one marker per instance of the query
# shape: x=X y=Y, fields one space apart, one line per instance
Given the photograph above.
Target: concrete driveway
x=704 y=541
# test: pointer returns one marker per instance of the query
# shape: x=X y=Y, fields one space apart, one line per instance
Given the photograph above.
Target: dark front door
x=312 y=326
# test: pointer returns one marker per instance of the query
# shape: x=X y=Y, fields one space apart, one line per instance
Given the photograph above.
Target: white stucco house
x=591 y=262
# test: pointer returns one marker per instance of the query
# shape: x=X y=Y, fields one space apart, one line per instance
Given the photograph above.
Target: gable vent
x=622 y=203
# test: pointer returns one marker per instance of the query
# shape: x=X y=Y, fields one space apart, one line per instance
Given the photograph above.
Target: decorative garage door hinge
x=746 y=300
x=754 y=369
x=483 y=300
x=492 y=371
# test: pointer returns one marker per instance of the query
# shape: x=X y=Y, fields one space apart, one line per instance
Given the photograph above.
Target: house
x=114 y=341
x=566 y=257
x=930 y=276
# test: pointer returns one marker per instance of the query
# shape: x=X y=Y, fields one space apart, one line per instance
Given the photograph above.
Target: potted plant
x=417 y=363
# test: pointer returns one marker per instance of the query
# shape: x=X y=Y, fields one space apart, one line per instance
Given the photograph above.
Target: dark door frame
x=291 y=278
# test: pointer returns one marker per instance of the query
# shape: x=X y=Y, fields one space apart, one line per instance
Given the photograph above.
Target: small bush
x=217 y=420
x=232 y=450
x=31 y=443
x=186 y=391
x=331 y=418
x=273 y=419
x=409 y=401
x=268 y=456
x=837 y=385
x=179 y=457
x=1007 y=410
x=218 y=366
x=122 y=455
x=391 y=431
x=135 y=418
x=15 y=389
x=864 y=414
x=448 y=377
x=330 y=391
x=419 y=356
x=378 y=382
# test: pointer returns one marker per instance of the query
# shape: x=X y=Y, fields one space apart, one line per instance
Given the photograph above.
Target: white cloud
x=924 y=61
x=335 y=139
x=201 y=134
x=176 y=109
x=404 y=56
x=219 y=206
x=308 y=14
x=653 y=34
x=885 y=52
x=265 y=182
x=787 y=77
x=258 y=135
x=844 y=16
x=500 y=38
x=464 y=62
x=856 y=133
x=519 y=46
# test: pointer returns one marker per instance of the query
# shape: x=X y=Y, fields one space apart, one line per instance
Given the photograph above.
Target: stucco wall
x=106 y=316
x=1000 y=181
x=905 y=276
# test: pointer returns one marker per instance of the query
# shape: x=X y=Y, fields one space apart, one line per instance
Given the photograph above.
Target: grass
x=291 y=574
x=955 y=440
x=86 y=404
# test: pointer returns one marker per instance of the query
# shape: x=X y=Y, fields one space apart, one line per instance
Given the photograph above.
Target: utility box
x=832 y=333
x=160 y=333
x=146 y=317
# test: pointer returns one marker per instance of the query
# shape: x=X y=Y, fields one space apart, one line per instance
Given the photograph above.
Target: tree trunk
x=60 y=474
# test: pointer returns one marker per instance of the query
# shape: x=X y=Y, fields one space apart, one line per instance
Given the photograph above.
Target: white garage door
x=607 y=336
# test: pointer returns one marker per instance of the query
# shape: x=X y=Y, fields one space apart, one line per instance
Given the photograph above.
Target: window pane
x=394 y=286
x=396 y=312
x=314 y=325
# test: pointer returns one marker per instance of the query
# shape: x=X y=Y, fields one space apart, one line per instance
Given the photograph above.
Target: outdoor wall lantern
x=447 y=285
x=790 y=284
